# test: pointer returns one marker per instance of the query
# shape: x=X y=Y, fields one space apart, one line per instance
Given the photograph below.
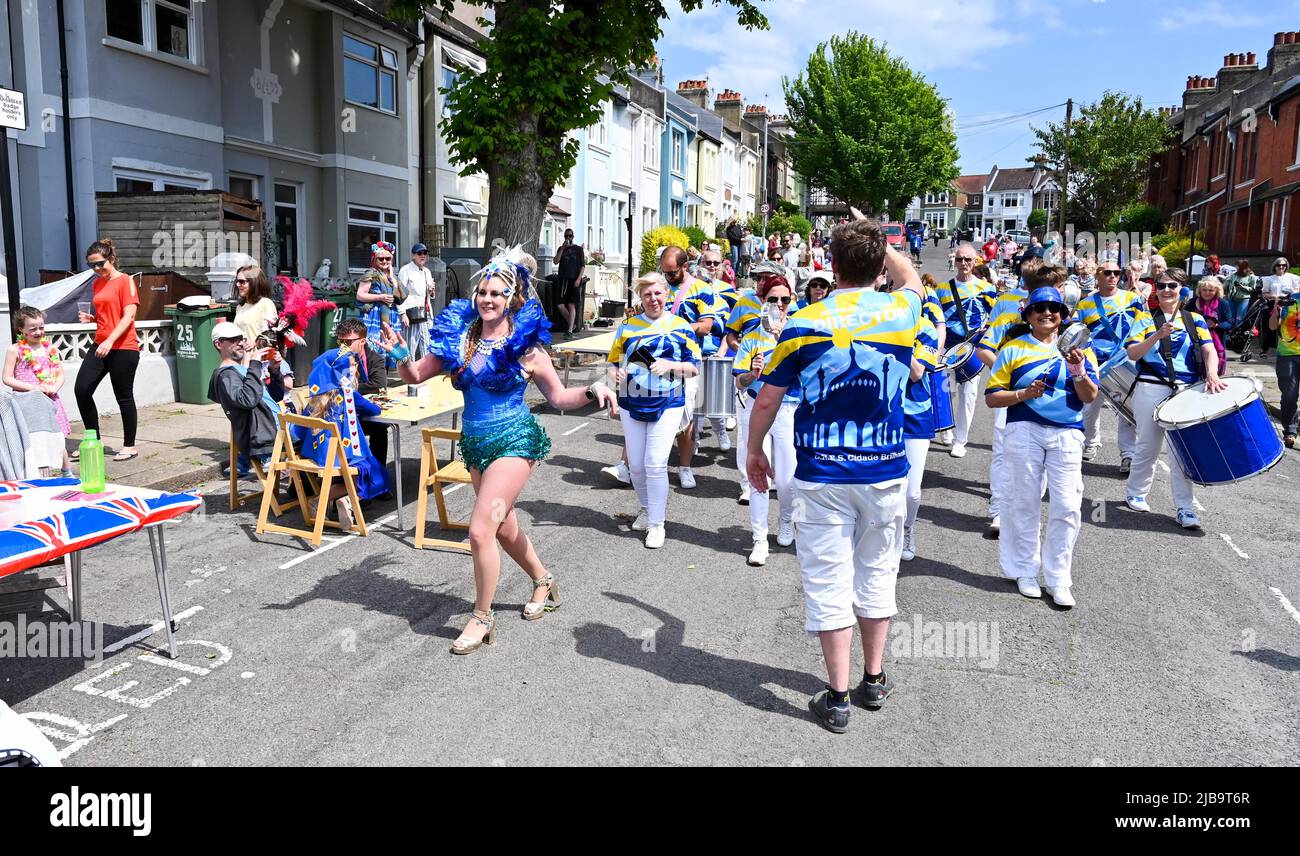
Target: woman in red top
x=117 y=351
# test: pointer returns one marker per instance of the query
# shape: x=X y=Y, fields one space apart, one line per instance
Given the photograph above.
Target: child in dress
x=33 y=364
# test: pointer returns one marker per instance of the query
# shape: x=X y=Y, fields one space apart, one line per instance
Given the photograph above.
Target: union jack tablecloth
x=36 y=526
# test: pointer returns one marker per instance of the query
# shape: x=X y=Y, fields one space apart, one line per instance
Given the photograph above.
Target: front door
x=286 y=229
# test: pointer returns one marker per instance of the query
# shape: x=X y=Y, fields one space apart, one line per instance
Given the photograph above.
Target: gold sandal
x=468 y=645
x=534 y=611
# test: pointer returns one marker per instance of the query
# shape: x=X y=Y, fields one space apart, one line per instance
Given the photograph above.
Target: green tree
x=1111 y=146
x=1037 y=219
x=786 y=207
x=543 y=60
x=1139 y=217
x=867 y=128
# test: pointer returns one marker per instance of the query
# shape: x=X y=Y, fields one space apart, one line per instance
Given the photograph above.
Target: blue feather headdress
x=508 y=265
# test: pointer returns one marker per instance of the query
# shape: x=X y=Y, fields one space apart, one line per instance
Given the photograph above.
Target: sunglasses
x=422 y=253
x=784 y=301
x=97 y=265
x=1168 y=286
x=1275 y=267
x=1109 y=273
x=712 y=264
x=1047 y=308
x=383 y=258
x=343 y=341
x=242 y=281
x=965 y=258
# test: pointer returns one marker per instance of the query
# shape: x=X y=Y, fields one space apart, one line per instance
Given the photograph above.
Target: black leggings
x=120 y=366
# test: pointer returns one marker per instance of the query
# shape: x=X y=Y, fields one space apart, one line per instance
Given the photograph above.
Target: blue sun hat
x=1045 y=294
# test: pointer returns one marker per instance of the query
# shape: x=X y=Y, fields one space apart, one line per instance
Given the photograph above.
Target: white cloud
x=935 y=35
x=1206 y=15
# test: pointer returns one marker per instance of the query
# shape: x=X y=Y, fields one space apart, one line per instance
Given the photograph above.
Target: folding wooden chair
x=285 y=460
x=435 y=475
x=237 y=499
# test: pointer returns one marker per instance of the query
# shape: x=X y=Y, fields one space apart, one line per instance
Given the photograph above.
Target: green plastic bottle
x=92 y=463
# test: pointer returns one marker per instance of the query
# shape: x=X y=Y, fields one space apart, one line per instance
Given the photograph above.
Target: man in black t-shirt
x=569 y=261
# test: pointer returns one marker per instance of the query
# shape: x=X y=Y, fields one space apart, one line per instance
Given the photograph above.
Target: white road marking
x=1227 y=539
x=330 y=546
x=247 y=674
x=149 y=631
x=575 y=430
x=452 y=489
x=1286 y=604
x=1162 y=465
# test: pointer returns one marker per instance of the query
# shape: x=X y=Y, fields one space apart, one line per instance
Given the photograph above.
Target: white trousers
x=1150 y=441
x=849 y=539
x=648 y=446
x=742 y=436
x=1031 y=451
x=1126 y=433
x=997 y=467
x=916 y=452
x=964 y=396
x=779 y=445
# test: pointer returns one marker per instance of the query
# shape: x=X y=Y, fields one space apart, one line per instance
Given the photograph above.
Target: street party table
x=46 y=519
x=434 y=398
x=590 y=345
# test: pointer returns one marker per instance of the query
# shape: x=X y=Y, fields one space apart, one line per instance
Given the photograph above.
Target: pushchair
x=1242 y=338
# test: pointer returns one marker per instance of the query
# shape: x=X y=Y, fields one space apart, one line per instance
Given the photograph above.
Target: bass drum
x=1221 y=437
x=1117 y=386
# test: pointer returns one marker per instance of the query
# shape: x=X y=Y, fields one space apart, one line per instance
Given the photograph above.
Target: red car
x=894 y=235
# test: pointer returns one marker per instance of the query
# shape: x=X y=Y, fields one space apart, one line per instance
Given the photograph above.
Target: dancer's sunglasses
x=784 y=301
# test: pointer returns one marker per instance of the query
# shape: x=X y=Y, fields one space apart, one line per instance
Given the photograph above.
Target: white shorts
x=849 y=539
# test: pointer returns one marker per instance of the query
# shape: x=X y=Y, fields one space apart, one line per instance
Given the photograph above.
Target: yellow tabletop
x=437 y=397
x=590 y=345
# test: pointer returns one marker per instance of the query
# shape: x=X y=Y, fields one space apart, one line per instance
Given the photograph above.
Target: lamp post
x=631 y=212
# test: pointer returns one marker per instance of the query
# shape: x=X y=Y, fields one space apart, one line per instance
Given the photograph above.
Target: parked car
x=1020 y=236
x=894 y=234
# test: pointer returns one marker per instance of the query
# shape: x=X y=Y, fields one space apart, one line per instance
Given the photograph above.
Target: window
x=678 y=214
x=367 y=226
x=993 y=202
x=162 y=26
x=244 y=186
x=369 y=74
x=1250 y=154
x=450 y=74
x=144 y=181
x=598 y=134
x=936 y=199
x=650 y=148
x=602 y=222
x=591 y=221
x=620 y=226
x=679 y=160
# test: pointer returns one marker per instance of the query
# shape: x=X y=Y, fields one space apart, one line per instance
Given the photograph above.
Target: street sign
x=766 y=208
x=13 y=111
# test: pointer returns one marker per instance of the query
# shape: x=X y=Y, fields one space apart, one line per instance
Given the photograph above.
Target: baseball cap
x=823 y=275
x=227 y=330
x=419 y=248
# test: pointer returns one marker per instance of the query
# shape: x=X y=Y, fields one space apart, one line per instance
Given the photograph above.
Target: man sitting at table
x=351 y=334
x=239 y=386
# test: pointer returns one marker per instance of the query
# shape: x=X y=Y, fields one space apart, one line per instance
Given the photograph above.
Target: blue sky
x=989 y=58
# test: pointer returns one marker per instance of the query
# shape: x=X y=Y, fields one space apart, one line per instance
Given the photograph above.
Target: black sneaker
x=832 y=717
x=872 y=696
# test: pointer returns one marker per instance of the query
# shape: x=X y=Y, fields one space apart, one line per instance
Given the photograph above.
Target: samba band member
x=1044 y=394
x=753 y=354
x=850 y=355
x=652 y=355
x=1006 y=314
x=491 y=347
x=918 y=422
x=1110 y=314
x=1170 y=346
x=967 y=302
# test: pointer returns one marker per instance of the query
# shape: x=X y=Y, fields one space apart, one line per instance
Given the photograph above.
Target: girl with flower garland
x=492 y=346
x=32 y=364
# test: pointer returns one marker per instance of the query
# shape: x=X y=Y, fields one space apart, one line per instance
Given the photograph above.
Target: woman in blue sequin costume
x=492 y=346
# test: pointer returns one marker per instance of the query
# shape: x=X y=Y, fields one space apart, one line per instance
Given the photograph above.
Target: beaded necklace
x=27 y=354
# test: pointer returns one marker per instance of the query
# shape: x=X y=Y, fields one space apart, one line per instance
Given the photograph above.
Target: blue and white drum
x=964 y=362
x=1222 y=437
x=941 y=403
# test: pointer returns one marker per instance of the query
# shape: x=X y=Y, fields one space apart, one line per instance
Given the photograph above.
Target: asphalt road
x=1182 y=649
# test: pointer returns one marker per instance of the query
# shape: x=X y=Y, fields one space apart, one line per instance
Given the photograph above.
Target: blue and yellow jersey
x=1023 y=360
x=637 y=344
x=1185 y=362
x=850 y=355
x=932 y=308
x=918 y=421
x=977 y=298
x=759 y=341
x=1123 y=309
x=699 y=301
x=726 y=292
x=1004 y=315
x=746 y=314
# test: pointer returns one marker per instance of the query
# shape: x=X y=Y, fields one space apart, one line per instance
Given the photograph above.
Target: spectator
x=569 y=261
x=1283 y=321
x=1156 y=268
x=1211 y=267
x=1276 y=288
x=256 y=311
x=381 y=293
x=371 y=378
x=1211 y=306
x=736 y=237
x=238 y=385
x=1238 y=289
x=1084 y=280
x=417 y=279
x=790 y=256
x=746 y=253
x=33 y=365
x=117 y=350
x=818 y=287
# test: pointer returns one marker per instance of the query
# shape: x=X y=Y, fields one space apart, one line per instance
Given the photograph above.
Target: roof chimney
x=728 y=106
x=695 y=91
x=1235 y=70
x=1285 y=51
x=1199 y=89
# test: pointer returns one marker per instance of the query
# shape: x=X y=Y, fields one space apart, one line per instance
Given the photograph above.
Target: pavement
x=1182 y=651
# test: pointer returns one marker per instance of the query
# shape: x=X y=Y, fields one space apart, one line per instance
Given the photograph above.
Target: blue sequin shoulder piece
x=499 y=369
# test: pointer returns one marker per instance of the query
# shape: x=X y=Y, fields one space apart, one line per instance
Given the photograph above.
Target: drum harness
x=964 y=313
x=1110 y=328
x=1167 y=351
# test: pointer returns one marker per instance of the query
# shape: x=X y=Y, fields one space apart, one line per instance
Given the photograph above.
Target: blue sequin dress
x=497 y=422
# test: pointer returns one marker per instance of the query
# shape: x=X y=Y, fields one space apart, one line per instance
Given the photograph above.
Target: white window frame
x=446 y=110
x=380 y=67
x=650 y=151
x=160 y=177
x=390 y=232
x=679 y=146
x=591 y=221
x=256 y=180
x=149 y=27
x=602 y=221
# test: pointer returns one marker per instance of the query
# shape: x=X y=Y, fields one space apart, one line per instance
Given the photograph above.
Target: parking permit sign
x=13 y=110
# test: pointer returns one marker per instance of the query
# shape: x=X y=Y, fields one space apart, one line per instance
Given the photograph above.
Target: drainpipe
x=417 y=110
x=73 y=262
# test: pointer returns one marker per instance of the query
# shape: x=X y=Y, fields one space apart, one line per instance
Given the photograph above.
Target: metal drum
x=1219 y=438
x=717 y=395
x=964 y=362
x=941 y=404
x=1117 y=385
